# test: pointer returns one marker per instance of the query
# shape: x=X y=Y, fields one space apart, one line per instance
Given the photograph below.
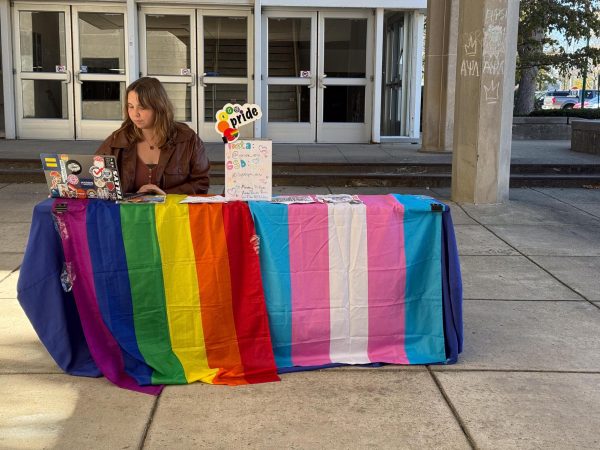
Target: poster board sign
x=248 y=170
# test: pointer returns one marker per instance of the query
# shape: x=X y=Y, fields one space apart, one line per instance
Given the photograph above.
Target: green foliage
x=574 y=19
x=579 y=113
x=537 y=48
x=545 y=78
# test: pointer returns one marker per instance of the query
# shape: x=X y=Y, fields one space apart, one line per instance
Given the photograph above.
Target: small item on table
x=143 y=197
x=290 y=199
x=204 y=199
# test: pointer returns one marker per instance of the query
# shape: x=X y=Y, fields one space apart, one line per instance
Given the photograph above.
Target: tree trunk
x=524 y=103
x=528 y=71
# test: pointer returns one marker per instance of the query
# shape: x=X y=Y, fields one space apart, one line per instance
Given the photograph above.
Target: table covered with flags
x=235 y=293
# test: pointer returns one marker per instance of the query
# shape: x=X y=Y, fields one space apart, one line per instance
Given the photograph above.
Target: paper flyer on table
x=290 y=199
x=338 y=198
x=208 y=199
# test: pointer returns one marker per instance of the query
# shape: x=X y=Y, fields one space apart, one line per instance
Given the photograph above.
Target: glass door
x=394 y=107
x=204 y=59
x=100 y=69
x=168 y=52
x=225 y=66
x=318 y=69
x=290 y=70
x=345 y=77
x=69 y=88
x=43 y=71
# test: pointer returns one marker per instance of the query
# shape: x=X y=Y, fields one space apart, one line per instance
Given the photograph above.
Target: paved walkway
x=529 y=376
x=523 y=152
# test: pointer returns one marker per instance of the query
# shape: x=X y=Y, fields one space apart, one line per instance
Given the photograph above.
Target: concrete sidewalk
x=523 y=152
x=529 y=376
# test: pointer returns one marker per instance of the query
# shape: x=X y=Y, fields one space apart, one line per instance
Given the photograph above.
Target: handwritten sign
x=248 y=170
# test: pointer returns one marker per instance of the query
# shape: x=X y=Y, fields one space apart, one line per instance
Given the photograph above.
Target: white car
x=592 y=101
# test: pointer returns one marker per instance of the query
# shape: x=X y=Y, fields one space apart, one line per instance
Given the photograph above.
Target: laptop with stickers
x=82 y=176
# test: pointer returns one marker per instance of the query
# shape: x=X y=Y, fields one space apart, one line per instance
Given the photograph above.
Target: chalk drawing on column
x=492 y=92
x=493 y=52
x=495 y=15
x=469 y=68
x=493 y=66
x=493 y=43
x=470 y=65
x=471 y=43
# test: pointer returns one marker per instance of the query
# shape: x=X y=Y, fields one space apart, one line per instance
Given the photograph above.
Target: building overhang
x=388 y=4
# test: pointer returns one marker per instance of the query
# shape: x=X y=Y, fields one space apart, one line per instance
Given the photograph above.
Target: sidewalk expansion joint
x=559 y=300
x=566 y=203
x=453 y=409
x=10 y=273
x=149 y=422
x=528 y=258
x=62 y=374
x=435 y=369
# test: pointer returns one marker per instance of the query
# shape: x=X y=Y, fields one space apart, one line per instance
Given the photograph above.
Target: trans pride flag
x=168 y=293
x=353 y=283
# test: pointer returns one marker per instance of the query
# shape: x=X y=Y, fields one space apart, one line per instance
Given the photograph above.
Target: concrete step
x=555 y=169
x=364 y=174
x=544 y=180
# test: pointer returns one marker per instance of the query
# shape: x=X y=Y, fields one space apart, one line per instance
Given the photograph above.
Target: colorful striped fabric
x=168 y=293
x=353 y=283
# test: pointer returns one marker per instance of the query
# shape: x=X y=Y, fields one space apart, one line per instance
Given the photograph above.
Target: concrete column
x=378 y=61
x=440 y=75
x=485 y=80
x=258 y=68
x=10 y=127
x=415 y=69
x=133 y=42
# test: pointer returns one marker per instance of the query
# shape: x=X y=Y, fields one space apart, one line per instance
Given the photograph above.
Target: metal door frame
x=31 y=128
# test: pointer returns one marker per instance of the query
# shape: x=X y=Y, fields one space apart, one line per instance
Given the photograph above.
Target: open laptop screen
x=82 y=176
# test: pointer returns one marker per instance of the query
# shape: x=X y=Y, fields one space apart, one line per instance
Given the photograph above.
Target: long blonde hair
x=151 y=94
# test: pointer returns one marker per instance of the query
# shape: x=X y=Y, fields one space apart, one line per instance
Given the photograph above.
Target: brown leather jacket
x=182 y=167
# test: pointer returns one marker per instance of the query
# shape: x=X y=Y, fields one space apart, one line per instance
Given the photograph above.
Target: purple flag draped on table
x=353 y=283
x=50 y=309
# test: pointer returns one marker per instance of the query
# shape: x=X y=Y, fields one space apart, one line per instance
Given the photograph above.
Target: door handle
x=322 y=81
x=201 y=79
x=78 y=78
x=68 y=80
x=193 y=81
x=312 y=82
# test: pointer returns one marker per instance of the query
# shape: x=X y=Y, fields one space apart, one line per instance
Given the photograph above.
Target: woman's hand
x=151 y=189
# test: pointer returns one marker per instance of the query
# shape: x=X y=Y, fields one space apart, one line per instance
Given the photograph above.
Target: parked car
x=560 y=99
x=538 y=101
x=592 y=101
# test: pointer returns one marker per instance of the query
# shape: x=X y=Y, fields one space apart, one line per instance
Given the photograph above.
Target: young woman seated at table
x=155 y=154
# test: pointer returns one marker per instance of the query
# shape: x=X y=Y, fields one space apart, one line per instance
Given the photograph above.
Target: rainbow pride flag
x=168 y=293
x=353 y=283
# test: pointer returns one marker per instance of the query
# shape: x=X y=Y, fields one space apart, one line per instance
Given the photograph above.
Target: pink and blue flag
x=353 y=283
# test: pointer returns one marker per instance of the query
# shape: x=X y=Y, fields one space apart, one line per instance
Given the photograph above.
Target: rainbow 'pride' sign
x=231 y=117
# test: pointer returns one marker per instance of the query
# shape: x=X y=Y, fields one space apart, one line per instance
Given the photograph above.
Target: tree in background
x=538 y=47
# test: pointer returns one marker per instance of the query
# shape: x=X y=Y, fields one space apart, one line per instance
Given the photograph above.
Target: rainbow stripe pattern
x=353 y=283
x=168 y=293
